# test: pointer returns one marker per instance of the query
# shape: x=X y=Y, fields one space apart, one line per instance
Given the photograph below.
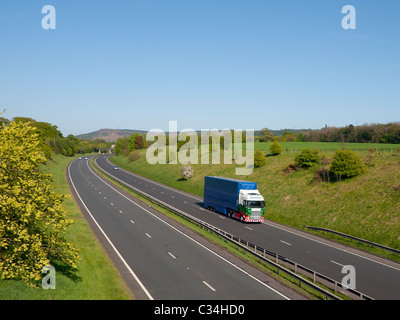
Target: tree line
x=52 y=140
x=367 y=133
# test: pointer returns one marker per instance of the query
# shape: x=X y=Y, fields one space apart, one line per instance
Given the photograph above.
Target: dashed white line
x=248 y=228
x=111 y=203
x=133 y=222
x=287 y=243
x=171 y=255
x=120 y=211
x=185 y=202
x=342 y=265
x=211 y=288
x=148 y=235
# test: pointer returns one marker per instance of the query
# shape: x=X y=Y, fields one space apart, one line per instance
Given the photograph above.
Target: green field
x=96 y=278
x=367 y=206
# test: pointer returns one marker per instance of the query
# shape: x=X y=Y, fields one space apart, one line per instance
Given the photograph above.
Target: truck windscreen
x=255 y=204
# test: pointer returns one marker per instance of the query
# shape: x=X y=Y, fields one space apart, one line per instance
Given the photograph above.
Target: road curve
x=375 y=277
x=164 y=261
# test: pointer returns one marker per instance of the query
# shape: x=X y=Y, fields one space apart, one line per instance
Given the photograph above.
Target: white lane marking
x=248 y=228
x=120 y=211
x=133 y=222
x=148 y=235
x=112 y=203
x=289 y=244
x=171 y=255
x=185 y=202
x=211 y=288
x=108 y=239
x=342 y=265
x=172 y=197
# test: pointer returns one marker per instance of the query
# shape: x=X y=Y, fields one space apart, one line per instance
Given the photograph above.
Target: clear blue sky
x=244 y=64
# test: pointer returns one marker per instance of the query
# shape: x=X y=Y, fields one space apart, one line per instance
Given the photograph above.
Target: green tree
x=131 y=141
x=346 y=164
x=259 y=159
x=266 y=135
x=4 y=120
x=275 y=148
x=32 y=217
x=138 y=142
x=122 y=146
x=308 y=158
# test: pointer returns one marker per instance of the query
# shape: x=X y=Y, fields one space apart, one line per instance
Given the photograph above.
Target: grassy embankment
x=367 y=206
x=96 y=278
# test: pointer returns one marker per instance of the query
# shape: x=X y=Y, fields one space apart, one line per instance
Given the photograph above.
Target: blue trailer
x=234 y=198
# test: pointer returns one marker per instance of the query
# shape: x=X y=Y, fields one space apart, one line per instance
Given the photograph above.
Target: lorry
x=235 y=198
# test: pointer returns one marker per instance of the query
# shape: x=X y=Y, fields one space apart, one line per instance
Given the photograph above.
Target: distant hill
x=109 y=135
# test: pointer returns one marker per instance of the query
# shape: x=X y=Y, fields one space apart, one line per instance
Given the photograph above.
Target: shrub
x=322 y=174
x=289 y=168
x=133 y=156
x=187 y=171
x=308 y=158
x=33 y=219
x=259 y=159
x=275 y=148
x=346 y=164
x=370 y=160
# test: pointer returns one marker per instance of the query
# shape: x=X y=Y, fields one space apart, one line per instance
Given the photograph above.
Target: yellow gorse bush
x=32 y=217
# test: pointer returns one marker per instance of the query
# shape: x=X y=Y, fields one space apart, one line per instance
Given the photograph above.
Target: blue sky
x=205 y=63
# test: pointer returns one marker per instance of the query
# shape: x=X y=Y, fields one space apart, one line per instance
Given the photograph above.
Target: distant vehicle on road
x=235 y=198
x=115 y=168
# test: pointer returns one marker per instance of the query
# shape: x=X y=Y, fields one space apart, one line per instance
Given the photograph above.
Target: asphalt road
x=163 y=260
x=376 y=277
